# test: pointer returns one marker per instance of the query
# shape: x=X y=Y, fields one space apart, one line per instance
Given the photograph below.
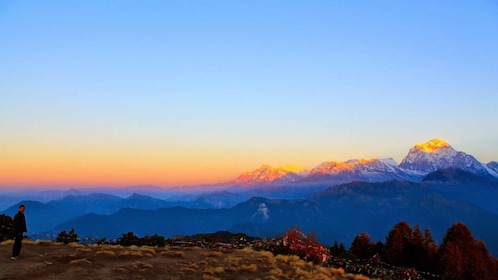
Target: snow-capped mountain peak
x=268 y=174
x=438 y=154
x=369 y=170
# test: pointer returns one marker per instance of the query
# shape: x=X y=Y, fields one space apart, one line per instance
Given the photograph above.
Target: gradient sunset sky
x=119 y=93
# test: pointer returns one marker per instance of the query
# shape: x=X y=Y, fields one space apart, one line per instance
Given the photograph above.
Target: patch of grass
x=131 y=254
x=121 y=269
x=266 y=254
x=283 y=259
x=212 y=254
x=194 y=266
x=76 y=245
x=211 y=260
x=81 y=262
x=337 y=271
x=302 y=273
x=188 y=270
x=232 y=263
x=246 y=250
x=209 y=277
x=141 y=265
x=110 y=247
x=298 y=263
x=193 y=248
x=105 y=253
x=214 y=270
x=148 y=250
x=276 y=272
x=203 y=262
x=252 y=268
x=84 y=250
x=176 y=254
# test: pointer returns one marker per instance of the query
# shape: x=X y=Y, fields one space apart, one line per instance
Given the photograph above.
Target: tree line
x=460 y=255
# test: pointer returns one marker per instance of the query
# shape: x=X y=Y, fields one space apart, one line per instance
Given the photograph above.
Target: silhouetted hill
x=460 y=185
x=39 y=216
x=91 y=203
x=337 y=213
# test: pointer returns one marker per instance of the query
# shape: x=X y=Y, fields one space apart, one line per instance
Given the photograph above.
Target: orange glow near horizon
x=84 y=163
x=49 y=168
x=104 y=174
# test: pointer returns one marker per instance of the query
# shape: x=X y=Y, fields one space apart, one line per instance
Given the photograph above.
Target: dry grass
x=148 y=250
x=209 y=277
x=276 y=272
x=141 y=265
x=187 y=270
x=232 y=263
x=214 y=270
x=175 y=254
x=252 y=268
x=131 y=254
x=81 y=261
x=266 y=254
x=76 y=245
x=337 y=271
x=106 y=253
x=83 y=250
x=43 y=260
x=211 y=261
x=212 y=254
x=7 y=242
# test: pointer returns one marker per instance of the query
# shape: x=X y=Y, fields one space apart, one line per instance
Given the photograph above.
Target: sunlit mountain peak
x=292 y=168
x=433 y=145
x=438 y=154
x=267 y=174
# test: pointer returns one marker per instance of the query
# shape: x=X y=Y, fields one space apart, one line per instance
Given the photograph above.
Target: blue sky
x=177 y=88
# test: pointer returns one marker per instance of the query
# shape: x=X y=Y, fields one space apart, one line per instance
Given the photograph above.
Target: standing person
x=19 y=230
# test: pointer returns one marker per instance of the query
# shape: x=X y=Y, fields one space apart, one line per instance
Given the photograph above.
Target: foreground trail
x=48 y=260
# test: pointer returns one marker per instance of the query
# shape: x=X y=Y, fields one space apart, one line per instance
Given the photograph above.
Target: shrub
x=67 y=238
x=6 y=224
x=128 y=239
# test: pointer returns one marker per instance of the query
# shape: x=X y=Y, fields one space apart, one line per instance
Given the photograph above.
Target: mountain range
x=421 y=159
x=434 y=186
x=337 y=213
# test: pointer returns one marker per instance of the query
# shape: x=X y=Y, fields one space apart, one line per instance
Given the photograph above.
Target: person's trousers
x=16 y=250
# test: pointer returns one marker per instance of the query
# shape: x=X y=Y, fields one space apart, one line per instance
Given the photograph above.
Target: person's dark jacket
x=20 y=223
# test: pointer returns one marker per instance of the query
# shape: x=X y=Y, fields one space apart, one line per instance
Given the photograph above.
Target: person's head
x=21 y=208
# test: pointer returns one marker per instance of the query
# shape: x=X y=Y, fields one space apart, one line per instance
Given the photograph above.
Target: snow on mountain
x=493 y=165
x=438 y=154
x=267 y=174
x=368 y=170
x=421 y=160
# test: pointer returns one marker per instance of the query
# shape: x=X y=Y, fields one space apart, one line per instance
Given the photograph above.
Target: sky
x=168 y=93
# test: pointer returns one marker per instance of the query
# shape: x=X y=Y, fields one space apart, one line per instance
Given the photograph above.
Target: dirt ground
x=49 y=260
